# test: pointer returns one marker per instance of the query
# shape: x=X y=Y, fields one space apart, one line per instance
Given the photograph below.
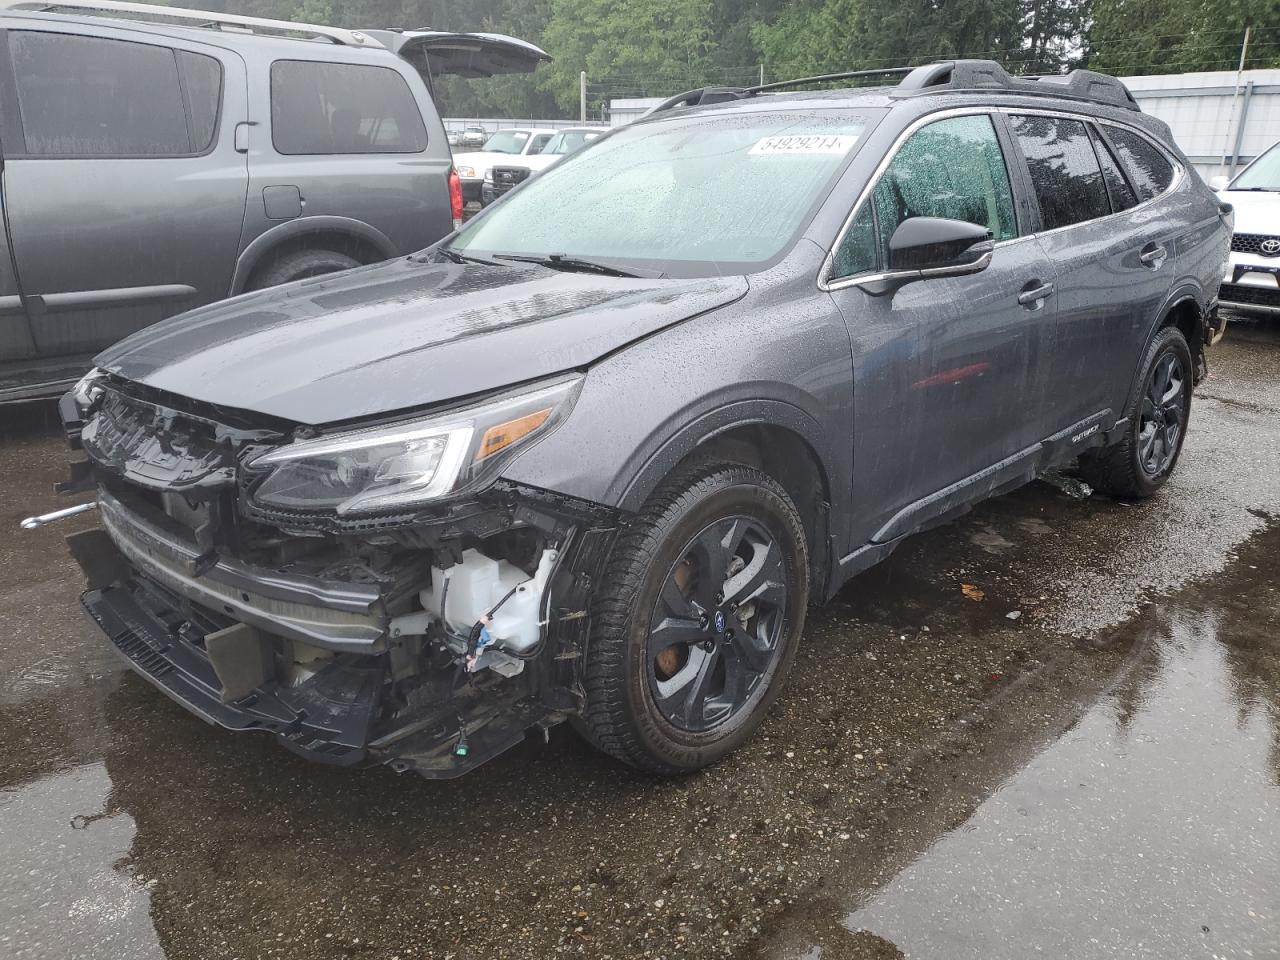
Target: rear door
x=124 y=190
x=348 y=141
x=1113 y=266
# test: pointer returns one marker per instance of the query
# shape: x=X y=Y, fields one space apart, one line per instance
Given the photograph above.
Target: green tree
x=637 y=45
x=1129 y=37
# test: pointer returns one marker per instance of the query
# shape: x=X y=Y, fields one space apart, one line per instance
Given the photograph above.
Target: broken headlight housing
x=404 y=464
x=87 y=389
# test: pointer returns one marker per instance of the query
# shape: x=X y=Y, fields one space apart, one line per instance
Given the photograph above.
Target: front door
x=944 y=412
x=124 y=190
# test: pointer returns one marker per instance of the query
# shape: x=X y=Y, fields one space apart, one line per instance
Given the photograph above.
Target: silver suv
x=158 y=159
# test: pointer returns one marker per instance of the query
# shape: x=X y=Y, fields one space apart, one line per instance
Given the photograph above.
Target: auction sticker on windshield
x=805 y=143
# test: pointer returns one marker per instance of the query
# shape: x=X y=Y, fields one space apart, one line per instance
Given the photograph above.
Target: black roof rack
x=950 y=76
x=963 y=76
x=704 y=95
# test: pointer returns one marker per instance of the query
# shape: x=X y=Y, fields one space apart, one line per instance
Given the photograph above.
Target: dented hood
x=402 y=334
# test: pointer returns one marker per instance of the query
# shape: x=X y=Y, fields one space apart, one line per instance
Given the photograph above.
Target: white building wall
x=1205 y=112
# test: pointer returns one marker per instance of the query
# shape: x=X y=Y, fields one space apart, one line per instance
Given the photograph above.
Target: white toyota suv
x=1252 y=282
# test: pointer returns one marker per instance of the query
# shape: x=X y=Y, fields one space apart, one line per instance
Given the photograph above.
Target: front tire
x=697 y=620
x=1158 y=413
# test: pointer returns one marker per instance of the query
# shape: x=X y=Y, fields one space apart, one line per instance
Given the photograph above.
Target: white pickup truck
x=511 y=172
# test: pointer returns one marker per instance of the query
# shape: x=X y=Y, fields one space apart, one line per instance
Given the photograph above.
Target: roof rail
x=825 y=77
x=702 y=96
x=198 y=18
x=950 y=76
x=954 y=76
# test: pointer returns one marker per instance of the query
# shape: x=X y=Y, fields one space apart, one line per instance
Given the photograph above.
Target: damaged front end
x=368 y=596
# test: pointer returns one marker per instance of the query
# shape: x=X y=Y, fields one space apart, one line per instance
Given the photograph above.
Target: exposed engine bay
x=429 y=638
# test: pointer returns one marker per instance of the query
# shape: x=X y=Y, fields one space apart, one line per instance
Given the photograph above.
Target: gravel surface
x=925 y=707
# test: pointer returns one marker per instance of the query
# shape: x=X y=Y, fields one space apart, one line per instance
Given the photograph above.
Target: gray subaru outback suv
x=591 y=457
x=156 y=159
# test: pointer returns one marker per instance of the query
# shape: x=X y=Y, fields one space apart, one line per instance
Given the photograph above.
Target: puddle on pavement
x=1150 y=827
x=66 y=890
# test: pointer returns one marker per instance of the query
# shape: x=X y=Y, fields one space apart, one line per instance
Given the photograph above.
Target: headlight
x=392 y=467
x=468 y=172
x=87 y=389
x=488 y=176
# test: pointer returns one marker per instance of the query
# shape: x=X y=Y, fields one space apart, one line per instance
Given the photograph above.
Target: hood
x=1255 y=212
x=402 y=334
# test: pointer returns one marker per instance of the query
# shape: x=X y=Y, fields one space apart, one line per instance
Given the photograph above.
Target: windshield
x=569 y=141
x=692 y=196
x=507 y=141
x=1262 y=174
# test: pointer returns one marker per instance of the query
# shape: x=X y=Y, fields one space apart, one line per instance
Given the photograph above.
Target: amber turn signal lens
x=502 y=435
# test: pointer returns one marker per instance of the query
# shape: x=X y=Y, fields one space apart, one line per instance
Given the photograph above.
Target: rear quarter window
x=342 y=108
x=1150 y=172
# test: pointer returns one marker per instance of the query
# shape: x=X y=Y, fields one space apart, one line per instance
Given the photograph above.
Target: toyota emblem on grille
x=1270 y=247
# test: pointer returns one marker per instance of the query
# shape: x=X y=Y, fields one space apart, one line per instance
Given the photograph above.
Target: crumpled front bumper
x=328 y=717
x=346 y=617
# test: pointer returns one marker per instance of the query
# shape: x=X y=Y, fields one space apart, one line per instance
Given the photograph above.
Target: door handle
x=1033 y=299
x=1153 y=256
x=242 y=137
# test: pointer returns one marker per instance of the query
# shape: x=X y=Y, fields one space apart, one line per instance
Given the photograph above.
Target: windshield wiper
x=1254 y=189
x=451 y=254
x=558 y=261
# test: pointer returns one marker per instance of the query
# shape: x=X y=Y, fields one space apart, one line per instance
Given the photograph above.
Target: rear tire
x=1158 y=413
x=299 y=265
x=696 y=621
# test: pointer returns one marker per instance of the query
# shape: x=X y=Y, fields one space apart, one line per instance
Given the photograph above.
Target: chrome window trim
x=829 y=284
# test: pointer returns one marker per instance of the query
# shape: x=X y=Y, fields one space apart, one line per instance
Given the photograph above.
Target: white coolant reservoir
x=479 y=583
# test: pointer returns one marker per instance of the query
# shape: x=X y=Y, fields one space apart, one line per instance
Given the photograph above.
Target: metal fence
x=456 y=124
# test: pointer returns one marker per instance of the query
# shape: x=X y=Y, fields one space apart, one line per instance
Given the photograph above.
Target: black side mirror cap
x=927 y=244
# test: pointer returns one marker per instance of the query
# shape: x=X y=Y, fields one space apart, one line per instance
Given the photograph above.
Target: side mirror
x=1219 y=182
x=933 y=246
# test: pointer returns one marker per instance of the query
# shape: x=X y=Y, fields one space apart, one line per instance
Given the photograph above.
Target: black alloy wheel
x=1143 y=451
x=697 y=619
x=715 y=628
x=1160 y=425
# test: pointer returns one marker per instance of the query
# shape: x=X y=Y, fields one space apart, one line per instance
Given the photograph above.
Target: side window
x=327 y=108
x=1118 y=189
x=539 y=142
x=1150 y=171
x=202 y=79
x=952 y=168
x=90 y=97
x=1064 y=169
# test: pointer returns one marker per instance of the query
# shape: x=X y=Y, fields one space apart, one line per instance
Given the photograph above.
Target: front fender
x=674 y=440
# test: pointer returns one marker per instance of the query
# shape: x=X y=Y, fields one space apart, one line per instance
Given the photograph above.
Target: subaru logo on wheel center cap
x=1271 y=247
x=719 y=621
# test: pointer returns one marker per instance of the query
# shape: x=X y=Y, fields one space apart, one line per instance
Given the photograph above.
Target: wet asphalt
x=1051 y=728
